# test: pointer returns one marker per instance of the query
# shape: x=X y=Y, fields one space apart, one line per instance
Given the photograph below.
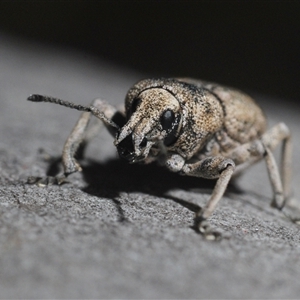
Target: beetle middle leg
x=81 y=133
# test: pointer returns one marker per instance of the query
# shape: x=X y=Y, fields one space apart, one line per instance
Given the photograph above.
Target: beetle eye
x=167 y=119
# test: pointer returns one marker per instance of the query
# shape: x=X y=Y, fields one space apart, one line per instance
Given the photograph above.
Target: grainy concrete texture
x=119 y=230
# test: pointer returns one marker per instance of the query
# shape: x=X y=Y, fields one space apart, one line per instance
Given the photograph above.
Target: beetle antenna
x=40 y=98
x=94 y=110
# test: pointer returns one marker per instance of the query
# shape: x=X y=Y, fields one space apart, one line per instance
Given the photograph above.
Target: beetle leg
x=217 y=167
x=210 y=168
x=277 y=134
x=80 y=133
x=79 y=138
x=280 y=182
x=250 y=153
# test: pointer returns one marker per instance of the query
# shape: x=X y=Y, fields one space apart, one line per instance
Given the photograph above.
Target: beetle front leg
x=210 y=168
x=79 y=137
x=217 y=167
x=81 y=133
x=69 y=162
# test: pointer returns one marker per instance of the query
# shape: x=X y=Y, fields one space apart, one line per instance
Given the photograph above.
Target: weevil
x=193 y=128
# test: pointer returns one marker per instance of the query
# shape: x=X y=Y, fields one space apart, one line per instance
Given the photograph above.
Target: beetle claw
x=47 y=180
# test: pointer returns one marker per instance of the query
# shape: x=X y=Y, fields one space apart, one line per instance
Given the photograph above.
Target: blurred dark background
x=253 y=45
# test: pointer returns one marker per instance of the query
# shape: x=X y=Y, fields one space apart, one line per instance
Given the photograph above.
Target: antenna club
x=40 y=98
x=36 y=98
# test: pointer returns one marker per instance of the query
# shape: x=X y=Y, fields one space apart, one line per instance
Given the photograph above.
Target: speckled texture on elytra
x=119 y=230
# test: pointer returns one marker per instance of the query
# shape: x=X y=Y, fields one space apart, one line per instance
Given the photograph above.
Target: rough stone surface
x=118 y=230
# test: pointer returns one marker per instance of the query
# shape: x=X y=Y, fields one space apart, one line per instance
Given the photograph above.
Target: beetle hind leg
x=281 y=181
x=263 y=148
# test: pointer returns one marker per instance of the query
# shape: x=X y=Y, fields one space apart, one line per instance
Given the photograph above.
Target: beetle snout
x=126 y=149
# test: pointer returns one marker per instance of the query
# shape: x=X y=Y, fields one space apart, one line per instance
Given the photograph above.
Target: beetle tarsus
x=47 y=180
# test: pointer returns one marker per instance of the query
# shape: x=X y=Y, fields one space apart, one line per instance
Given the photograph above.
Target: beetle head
x=153 y=118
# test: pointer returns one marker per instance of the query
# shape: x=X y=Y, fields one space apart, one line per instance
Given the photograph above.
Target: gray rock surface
x=118 y=230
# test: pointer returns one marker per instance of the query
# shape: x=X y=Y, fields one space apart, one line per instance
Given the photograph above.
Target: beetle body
x=213 y=119
x=192 y=127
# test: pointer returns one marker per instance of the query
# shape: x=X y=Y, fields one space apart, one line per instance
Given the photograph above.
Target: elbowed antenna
x=94 y=110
